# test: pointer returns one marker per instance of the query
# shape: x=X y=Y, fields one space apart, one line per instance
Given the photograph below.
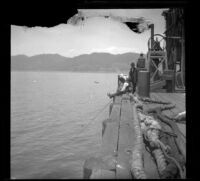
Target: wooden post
x=152 y=35
x=174 y=53
x=183 y=58
x=144 y=83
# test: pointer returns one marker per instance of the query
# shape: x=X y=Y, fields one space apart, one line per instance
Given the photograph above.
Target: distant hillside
x=94 y=62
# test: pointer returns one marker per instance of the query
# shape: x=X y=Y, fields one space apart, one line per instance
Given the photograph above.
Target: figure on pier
x=141 y=62
x=125 y=85
x=133 y=76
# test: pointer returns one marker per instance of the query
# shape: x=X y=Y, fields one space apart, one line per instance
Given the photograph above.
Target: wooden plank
x=108 y=150
x=116 y=108
x=169 y=97
x=179 y=105
x=166 y=97
x=126 y=141
x=166 y=112
x=110 y=137
x=110 y=130
x=118 y=100
x=157 y=85
x=159 y=98
x=176 y=98
x=180 y=96
x=180 y=101
x=182 y=128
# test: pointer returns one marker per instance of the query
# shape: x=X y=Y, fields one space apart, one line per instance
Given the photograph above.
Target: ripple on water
x=48 y=134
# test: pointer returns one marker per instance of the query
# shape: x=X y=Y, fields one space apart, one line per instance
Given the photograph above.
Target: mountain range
x=95 y=62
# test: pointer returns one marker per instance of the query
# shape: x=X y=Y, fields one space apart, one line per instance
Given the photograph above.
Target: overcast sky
x=96 y=34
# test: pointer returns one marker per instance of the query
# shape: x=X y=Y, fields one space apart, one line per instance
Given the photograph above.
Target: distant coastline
x=58 y=71
x=91 y=63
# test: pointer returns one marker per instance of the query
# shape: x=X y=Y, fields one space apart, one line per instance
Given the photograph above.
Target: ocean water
x=56 y=121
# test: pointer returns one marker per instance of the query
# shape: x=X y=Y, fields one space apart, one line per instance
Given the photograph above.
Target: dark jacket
x=133 y=75
x=141 y=62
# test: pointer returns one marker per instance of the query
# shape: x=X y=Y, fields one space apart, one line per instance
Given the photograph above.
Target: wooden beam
x=104 y=166
x=126 y=137
x=110 y=132
x=157 y=85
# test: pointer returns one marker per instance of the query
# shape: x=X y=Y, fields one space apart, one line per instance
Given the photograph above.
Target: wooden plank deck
x=126 y=137
x=118 y=136
x=175 y=98
x=110 y=134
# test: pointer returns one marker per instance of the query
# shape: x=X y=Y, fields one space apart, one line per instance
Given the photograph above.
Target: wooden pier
x=177 y=99
x=143 y=139
x=119 y=139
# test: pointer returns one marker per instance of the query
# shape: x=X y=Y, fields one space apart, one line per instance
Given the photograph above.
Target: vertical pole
x=183 y=59
x=144 y=83
x=183 y=54
x=152 y=35
x=174 y=68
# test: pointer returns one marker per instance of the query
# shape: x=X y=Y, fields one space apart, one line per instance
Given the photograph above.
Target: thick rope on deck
x=151 y=130
x=172 y=124
x=163 y=108
x=137 y=168
x=179 y=141
x=152 y=136
x=153 y=101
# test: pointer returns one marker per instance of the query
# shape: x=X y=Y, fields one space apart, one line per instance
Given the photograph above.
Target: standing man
x=133 y=76
x=141 y=62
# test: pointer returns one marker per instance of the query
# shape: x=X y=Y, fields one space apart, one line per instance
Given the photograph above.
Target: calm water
x=52 y=125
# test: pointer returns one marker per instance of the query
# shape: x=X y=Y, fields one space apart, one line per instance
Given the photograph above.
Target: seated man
x=126 y=86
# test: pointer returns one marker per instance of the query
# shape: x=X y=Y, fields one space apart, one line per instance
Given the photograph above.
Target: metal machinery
x=157 y=63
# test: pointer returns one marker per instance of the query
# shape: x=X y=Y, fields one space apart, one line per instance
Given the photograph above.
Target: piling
x=144 y=83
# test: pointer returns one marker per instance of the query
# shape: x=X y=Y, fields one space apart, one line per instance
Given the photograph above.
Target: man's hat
x=132 y=64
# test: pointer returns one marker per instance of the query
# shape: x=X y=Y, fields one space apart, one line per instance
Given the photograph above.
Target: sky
x=95 y=34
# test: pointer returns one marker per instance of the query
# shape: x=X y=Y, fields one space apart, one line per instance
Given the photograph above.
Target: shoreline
x=70 y=71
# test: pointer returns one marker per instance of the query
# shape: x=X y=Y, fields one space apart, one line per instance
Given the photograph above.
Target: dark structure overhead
x=133 y=26
x=45 y=15
x=52 y=14
x=128 y=4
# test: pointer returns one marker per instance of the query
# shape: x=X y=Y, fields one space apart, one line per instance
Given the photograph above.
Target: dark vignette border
x=52 y=14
